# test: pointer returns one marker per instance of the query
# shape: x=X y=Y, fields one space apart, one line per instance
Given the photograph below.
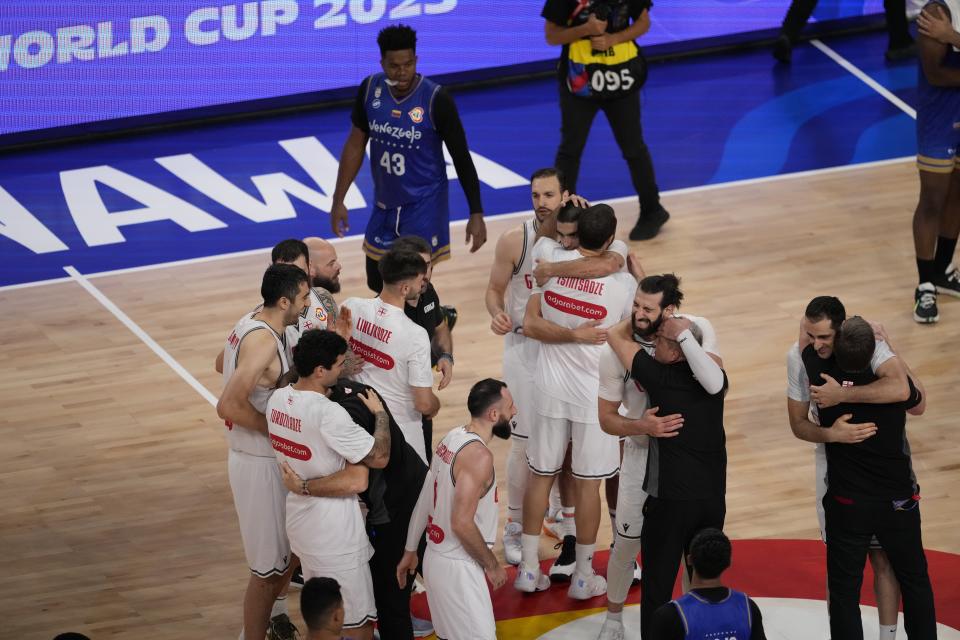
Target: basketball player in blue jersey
x=406 y=118
x=936 y=222
x=709 y=610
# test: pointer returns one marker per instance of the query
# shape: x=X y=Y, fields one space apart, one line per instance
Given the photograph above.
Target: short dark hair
x=416 y=244
x=319 y=598
x=289 y=250
x=668 y=284
x=550 y=172
x=317 y=348
x=399 y=265
x=854 y=345
x=597 y=225
x=710 y=553
x=71 y=635
x=826 y=308
x=396 y=37
x=281 y=281
x=570 y=214
x=483 y=395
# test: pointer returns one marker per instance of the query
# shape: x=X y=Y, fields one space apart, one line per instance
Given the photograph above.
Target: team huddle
x=329 y=408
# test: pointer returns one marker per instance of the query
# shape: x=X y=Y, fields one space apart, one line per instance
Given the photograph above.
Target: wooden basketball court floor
x=117 y=516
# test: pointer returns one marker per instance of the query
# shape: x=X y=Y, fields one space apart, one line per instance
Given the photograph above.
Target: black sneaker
x=783 y=49
x=925 y=304
x=563 y=566
x=648 y=225
x=949 y=283
x=296 y=580
x=901 y=52
x=451 y=315
x=282 y=629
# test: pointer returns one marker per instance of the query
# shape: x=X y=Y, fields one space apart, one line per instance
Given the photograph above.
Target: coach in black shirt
x=686 y=474
x=871 y=490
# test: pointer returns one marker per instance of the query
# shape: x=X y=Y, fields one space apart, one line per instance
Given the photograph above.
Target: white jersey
x=321 y=313
x=568 y=373
x=521 y=283
x=317 y=437
x=239 y=438
x=440 y=536
x=397 y=353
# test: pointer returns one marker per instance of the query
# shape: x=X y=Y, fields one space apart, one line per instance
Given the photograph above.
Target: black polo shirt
x=427 y=312
x=879 y=468
x=693 y=464
x=392 y=492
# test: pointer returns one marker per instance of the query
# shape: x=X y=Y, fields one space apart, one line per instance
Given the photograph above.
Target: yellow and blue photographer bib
x=614 y=73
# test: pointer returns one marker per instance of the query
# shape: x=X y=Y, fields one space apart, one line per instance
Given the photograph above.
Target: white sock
x=888 y=631
x=529 y=551
x=618 y=616
x=279 y=607
x=568 y=526
x=613 y=523
x=584 y=559
x=241 y=635
x=517 y=473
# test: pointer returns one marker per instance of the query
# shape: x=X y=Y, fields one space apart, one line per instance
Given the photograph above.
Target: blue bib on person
x=406 y=152
x=728 y=619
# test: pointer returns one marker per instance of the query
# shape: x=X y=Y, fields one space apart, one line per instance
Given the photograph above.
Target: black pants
x=849 y=529
x=393 y=603
x=623 y=114
x=668 y=528
x=896 y=10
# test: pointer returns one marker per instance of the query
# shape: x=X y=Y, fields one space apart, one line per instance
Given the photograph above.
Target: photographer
x=601 y=67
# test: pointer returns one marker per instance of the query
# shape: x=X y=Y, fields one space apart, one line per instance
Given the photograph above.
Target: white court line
x=863 y=77
x=503 y=216
x=140 y=333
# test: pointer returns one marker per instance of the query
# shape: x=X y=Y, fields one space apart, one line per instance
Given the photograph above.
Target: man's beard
x=651 y=330
x=502 y=429
x=333 y=286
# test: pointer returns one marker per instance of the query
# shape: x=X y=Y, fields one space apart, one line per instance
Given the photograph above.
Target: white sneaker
x=584 y=587
x=511 y=542
x=636 y=572
x=552 y=524
x=611 y=630
x=531 y=581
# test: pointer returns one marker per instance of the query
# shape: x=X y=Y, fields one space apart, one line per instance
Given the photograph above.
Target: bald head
x=324 y=265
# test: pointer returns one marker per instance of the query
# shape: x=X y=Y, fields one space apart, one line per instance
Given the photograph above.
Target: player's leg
x=622 y=563
x=947 y=278
x=887 y=591
x=520 y=382
x=576 y=117
x=545 y=451
x=624 y=117
x=595 y=456
x=378 y=236
x=459 y=598
x=260 y=501
x=564 y=564
x=935 y=162
x=392 y=601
